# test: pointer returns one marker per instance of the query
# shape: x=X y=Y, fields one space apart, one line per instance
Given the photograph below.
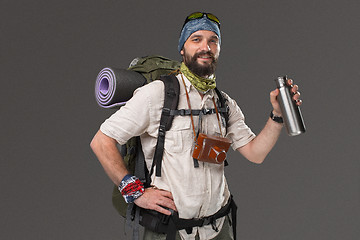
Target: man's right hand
x=156 y=199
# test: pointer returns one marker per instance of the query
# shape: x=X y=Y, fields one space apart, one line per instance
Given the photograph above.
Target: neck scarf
x=200 y=83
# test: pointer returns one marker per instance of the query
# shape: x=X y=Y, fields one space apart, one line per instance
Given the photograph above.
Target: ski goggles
x=198 y=15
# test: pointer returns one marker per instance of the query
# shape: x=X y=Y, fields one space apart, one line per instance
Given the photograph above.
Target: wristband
x=131 y=188
x=276 y=118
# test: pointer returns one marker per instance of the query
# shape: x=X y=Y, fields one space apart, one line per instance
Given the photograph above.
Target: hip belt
x=170 y=224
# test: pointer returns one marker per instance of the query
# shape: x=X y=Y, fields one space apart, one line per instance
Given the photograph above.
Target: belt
x=176 y=223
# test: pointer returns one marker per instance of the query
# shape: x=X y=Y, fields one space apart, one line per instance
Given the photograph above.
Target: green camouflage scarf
x=200 y=83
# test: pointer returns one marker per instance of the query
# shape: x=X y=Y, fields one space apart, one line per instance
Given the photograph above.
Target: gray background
x=52 y=186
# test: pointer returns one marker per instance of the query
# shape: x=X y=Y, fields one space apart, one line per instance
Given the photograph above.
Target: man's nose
x=205 y=46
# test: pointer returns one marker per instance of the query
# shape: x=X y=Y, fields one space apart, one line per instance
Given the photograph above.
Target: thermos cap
x=280 y=81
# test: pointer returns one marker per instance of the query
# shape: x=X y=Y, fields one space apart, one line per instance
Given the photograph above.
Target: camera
x=210 y=148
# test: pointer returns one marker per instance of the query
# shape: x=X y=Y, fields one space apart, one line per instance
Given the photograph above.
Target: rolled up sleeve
x=130 y=120
x=237 y=130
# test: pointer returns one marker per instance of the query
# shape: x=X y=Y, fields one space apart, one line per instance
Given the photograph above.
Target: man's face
x=201 y=52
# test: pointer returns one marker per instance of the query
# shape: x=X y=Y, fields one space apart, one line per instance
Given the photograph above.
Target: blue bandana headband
x=197 y=25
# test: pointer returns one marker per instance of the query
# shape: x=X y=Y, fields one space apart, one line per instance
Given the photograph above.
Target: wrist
x=131 y=188
x=276 y=117
x=276 y=113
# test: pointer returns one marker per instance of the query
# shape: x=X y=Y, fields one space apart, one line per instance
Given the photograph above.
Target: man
x=194 y=192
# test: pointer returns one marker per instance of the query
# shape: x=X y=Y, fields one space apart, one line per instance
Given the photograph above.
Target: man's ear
x=182 y=52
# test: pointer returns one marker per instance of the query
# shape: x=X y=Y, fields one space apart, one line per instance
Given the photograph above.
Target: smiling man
x=202 y=52
x=193 y=192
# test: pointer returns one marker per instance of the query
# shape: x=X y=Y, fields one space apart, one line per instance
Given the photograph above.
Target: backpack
x=153 y=68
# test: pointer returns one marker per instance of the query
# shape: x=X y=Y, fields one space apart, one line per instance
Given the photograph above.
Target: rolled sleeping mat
x=114 y=86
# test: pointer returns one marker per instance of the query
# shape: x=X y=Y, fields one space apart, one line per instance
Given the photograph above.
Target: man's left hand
x=275 y=103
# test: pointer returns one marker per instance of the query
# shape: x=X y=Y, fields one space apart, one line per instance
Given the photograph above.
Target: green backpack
x=151 y=68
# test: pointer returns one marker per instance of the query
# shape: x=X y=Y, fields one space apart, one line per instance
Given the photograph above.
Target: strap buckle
x=208 y=220
x=211 y=220
x=206 y=111
x=162 y=130
x=182 y=112
x=166 y=111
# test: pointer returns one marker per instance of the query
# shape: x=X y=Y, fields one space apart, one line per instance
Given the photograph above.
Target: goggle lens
x=213 y=18
x=198 y=15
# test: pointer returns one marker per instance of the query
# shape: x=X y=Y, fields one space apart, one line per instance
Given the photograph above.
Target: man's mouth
x=204 y=57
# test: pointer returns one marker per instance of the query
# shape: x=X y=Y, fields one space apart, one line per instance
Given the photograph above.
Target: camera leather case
x=211 y=149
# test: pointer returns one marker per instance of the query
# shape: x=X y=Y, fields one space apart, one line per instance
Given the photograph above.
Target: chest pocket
x=180 y=136
x=210 y=125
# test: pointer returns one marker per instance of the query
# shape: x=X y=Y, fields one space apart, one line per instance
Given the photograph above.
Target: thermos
x=291 y=113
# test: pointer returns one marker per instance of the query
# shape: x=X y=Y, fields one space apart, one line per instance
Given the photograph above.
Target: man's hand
x=275 y=93
x=156 y=199
x=256 y=150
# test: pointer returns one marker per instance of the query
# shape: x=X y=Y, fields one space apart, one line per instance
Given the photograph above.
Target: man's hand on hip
x=156 y=199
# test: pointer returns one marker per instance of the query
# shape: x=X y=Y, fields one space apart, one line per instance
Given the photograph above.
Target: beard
x=202 y=70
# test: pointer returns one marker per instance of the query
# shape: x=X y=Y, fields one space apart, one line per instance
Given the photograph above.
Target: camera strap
x=217 y=115
x=200 y=112
x=189 y=105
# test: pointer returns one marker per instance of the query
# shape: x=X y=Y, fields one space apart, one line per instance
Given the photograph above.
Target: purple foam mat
x=114 y=87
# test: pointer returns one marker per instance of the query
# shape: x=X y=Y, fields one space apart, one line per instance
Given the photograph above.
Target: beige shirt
x=197 y=192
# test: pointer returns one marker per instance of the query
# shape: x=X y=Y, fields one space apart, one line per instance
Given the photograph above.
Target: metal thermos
x=291 y=113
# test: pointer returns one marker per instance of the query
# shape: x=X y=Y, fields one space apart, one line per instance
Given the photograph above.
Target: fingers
x=166 y=200
x=298 y=102
x=161 y=210
x=166 y=194
x=296 y=96
x=289 y=82
x=273 y=95
x=295 y=92
x=274 y=102
x=157 y=200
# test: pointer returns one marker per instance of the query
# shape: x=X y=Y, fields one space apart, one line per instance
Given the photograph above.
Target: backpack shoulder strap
x=224 y=111
x=141 y=170
x=171 y=100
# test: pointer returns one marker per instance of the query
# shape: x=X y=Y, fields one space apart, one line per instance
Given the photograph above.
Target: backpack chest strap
x=194 y=112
